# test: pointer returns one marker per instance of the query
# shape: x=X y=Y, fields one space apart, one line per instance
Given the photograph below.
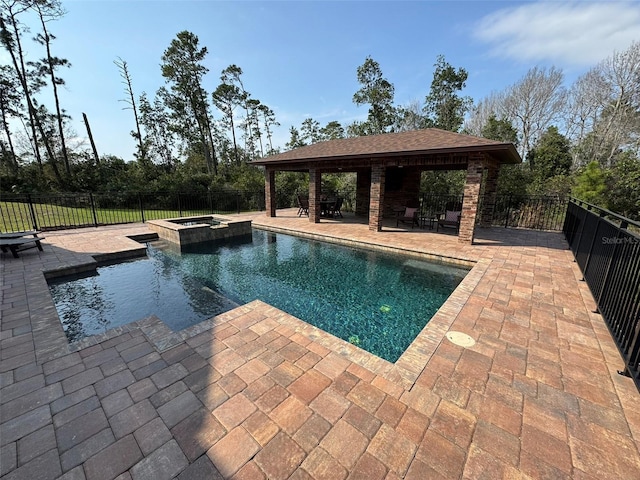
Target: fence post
x=506 y=221
x=93 y=210
x=238 y=201
x=568 y=221
x=210 y=200
x=593 y=242
x=584 y=220
x=33 y=212
x=179 y=206
x=141 y=207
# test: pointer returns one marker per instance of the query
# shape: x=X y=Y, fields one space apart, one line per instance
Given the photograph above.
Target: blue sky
x=300 y=57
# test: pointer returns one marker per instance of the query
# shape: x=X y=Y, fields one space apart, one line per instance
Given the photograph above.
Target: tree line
x=179 y=143
x=192 y=136
x=582 y=140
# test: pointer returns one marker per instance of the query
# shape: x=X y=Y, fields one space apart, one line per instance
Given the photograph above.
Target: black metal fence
x=608 y=255
x=59 y=211
x=534 y=212
x=431 y=204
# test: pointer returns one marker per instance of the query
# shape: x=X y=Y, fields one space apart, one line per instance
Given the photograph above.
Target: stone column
x=270 y=191
x=376 y=200
x=489 y=197
x=315 y=188
x=471 y=197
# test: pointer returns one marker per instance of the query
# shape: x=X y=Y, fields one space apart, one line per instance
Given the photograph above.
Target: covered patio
x=389 y=167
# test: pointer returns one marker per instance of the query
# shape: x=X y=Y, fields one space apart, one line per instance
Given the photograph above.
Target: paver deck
x=255 y=393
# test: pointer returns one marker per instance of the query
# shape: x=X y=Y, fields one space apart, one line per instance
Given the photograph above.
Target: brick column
x=376 y=200
x=315 y=188
x=489 y=197
x=471 y=197
x=270 y=192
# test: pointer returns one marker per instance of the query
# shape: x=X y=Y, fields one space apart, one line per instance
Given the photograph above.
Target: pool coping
x=404 y=371
x=432 y=257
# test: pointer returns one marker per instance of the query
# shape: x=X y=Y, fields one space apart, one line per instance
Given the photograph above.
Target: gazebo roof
x=427 y=142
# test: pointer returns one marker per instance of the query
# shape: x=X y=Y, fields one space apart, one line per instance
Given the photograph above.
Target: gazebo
x=388 y=168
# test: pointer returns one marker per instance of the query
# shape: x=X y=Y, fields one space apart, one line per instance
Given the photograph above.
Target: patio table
x=17 y=243
x=428 y=219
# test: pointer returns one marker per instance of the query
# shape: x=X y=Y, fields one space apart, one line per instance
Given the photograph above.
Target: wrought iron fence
x=608 y=255
x=60 y=211
x=534 y=212
x=431 y=205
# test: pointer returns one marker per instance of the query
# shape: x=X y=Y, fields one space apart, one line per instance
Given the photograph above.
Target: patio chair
x=451 y=217
x=303 y=205
x=410 y=216
x=337 y=207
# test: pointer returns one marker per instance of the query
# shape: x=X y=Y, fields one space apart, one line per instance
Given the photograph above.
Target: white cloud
x=5 y=58
x=568 y=33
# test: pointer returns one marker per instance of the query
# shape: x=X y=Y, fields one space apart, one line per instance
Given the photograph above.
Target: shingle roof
x=418 y=142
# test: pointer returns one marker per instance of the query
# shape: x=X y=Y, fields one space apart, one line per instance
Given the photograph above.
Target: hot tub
x=206 y=228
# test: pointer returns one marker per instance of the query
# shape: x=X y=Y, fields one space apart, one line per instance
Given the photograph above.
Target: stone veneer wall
x=190 y=234
x=270 y=192
x=315 y=188
x=377 y=198
x=471 y=197
x=407 y=192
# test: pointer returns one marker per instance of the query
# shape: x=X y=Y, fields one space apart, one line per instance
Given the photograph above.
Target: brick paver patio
x=255 y=393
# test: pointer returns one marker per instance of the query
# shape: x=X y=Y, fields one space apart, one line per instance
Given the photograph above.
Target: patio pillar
x=471 y=198
x=489 y=197
x=315 y=189
x=270 y=192
x=376 y=200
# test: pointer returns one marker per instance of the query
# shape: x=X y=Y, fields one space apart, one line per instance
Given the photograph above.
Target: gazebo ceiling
x=429 y=147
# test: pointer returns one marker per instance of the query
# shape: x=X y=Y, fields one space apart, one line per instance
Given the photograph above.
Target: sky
x=300 y=57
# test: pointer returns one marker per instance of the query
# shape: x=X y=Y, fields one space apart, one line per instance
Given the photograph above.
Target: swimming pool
x=377 y=301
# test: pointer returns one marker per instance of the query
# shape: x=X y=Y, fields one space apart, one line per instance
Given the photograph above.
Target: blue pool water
x=377 y=301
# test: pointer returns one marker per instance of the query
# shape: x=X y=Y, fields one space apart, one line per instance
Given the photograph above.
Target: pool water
x=377 y=301
x=201 y=221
